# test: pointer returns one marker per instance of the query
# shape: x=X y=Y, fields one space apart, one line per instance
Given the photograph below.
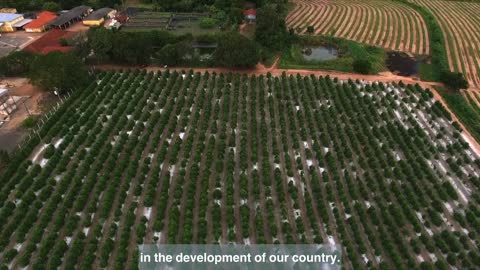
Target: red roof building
x=50 y=42
x=41 y=23
x=250 y=15
x=250 y=12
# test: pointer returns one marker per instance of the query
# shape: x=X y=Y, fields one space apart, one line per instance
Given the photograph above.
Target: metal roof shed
x=3 y=92
x=75 y=14
x=22 y=23
x=99 y=14
x=8 y=17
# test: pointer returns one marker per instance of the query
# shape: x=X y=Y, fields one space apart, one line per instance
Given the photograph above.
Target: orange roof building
x=41 y=23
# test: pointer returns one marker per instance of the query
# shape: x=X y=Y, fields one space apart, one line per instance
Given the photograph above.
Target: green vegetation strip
x=437 y=44
x=467 y=114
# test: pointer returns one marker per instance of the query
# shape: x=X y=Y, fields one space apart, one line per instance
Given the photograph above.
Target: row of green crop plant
x=287 y=168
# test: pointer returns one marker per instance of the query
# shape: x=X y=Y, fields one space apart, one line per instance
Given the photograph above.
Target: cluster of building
x=11 y=21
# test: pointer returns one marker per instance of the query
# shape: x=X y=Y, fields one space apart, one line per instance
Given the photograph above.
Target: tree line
x=163 y=48
x=55 y=71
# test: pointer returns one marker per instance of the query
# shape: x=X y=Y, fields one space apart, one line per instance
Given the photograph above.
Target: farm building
x=9 y=22
x=122 y=18
x=250 y=15
x=98 y=17
x=74 y=15
x=40 y=24
x=8 y=10
x=117 y=21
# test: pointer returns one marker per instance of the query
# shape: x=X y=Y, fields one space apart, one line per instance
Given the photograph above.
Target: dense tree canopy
x=51 y=6
x=128 y=47
x=59 y=71
x=101 y=42
x=454 y=80
x=362 y=66
x=172 y=54
x=16 y=64
x=235 y=50
x=271 y=30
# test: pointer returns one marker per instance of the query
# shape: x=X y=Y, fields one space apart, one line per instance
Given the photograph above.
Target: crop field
x=460 y=23
x=149 y=21
x=386 y=24
x=178 y=23
x=183 y=157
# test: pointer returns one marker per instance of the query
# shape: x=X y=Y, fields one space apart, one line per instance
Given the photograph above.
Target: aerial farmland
x=386 y=24
x=352 y=125
x=183 y=157
x=459 y=23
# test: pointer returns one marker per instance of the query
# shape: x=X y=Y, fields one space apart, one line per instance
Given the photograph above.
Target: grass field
x=386 y=24
x=204 y=158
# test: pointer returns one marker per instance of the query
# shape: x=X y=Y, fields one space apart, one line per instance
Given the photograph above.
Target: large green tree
x=100 y=41
x=16 y=64
x=454 y=80
x=131 y=48
x=235 y=50
x=59 y=71
x=172 y=54
x=271 y=30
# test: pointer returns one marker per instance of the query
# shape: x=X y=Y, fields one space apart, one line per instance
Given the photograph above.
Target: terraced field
x=383 y=23
x=460 y=22
x=216 y=158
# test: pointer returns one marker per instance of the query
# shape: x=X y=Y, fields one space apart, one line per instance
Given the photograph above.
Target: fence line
x=43 y=119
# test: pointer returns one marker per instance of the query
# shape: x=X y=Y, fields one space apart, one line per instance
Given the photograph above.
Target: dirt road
x=274 y=70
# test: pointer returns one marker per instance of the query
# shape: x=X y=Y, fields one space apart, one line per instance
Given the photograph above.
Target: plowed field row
x=460 y=22
x=381 y=23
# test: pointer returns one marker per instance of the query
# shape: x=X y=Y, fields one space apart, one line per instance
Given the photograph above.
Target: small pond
x=319 y=53
x=403 y=64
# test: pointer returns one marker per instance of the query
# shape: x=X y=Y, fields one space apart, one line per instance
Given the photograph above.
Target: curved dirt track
x=381 y=23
